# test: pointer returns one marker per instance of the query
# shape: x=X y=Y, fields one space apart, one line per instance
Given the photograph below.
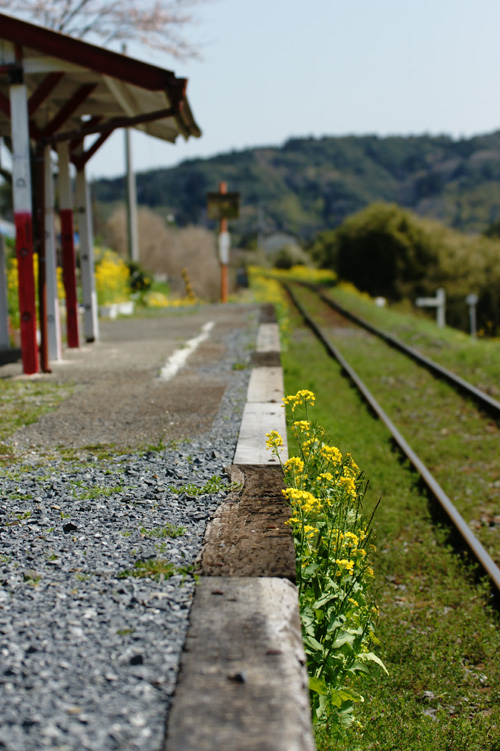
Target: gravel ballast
x=92 y=616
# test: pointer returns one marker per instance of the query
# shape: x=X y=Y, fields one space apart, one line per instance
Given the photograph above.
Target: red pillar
x=68 y=246
x=26 y=286
x=69 y=276
x=21 y=181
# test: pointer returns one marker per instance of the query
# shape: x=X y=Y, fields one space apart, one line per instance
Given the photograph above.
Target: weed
x=157 y=569
x=168 y=530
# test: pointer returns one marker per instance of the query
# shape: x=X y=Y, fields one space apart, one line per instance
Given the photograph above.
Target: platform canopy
x=77 y=89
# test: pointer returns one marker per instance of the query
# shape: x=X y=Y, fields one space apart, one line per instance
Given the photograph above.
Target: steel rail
x=484 y=399
x=473 y=544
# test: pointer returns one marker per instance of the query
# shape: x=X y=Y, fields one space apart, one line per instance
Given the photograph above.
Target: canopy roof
x=76 y=89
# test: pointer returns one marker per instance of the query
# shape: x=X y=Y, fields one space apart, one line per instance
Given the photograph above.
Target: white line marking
x=179 y=357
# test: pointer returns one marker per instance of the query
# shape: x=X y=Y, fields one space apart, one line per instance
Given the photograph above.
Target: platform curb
x=243 y=683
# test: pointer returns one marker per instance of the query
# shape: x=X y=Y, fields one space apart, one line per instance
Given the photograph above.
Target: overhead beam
x=67 y=110
x=81 y=159
x=115 y=122
x=42 y=92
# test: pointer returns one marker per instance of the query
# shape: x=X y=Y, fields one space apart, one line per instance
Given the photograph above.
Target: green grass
x=440 y=637
x=452 y=436
x=478 y=361
x=23 y=402
x=157 y=569
x=168 y=530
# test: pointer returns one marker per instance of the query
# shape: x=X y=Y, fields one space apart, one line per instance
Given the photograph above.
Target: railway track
x=486 y=403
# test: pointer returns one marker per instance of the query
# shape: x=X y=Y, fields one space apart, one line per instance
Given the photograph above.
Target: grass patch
x=440 y=637
x=478 y=361
x=157 y=569
x=168 y=530
x=23 y=402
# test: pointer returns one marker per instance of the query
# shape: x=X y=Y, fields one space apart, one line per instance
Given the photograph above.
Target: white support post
x=84 y=214
x=23 y=218
x=4 y=309
x=53 y=318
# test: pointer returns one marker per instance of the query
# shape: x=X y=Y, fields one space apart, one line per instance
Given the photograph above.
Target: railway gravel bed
x=91 y=630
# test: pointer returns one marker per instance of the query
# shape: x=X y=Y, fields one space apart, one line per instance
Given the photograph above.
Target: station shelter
x=61 y=98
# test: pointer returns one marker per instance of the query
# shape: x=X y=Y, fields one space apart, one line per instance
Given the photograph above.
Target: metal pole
x=224 y=265
x=132 y=226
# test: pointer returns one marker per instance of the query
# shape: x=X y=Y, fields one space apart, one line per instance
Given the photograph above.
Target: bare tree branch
x=156 y=23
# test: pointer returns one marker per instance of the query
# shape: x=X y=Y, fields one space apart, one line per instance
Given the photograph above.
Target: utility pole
x=224 y=245
x=132 y=229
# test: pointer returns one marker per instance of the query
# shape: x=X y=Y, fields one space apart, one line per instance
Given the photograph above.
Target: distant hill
x=312 y=184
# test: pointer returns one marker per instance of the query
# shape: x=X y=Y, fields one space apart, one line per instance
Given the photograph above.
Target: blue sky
x=273 y=69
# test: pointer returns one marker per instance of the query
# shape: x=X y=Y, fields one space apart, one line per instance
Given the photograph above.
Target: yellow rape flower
x=301 y=397
x=294 y=464
x=331 y=454
x=274 y=440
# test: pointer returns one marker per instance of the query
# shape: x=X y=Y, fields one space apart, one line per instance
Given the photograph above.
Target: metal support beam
x=23 y=220
x=68 y=246
x=84 y=215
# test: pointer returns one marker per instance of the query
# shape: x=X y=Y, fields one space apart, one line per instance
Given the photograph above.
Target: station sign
x=223 y=205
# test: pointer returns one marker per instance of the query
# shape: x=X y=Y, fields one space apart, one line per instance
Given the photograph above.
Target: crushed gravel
x=92 y=622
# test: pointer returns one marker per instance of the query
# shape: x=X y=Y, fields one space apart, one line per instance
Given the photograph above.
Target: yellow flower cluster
x=331 y=454
x=274 y=440
x=303 y=397
x=112 y=279
x=294 y=464
x=303 y=500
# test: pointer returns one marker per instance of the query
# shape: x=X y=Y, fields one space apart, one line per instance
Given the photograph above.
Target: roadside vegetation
x=438 y=629
x=389 y=251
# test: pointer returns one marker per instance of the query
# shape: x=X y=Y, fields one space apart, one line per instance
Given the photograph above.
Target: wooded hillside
x=310 y=184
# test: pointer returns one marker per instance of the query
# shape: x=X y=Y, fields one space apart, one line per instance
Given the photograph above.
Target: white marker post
x=438 y=302
x=472 y=301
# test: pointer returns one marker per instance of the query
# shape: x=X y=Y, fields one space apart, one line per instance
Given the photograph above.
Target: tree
x=156 y=23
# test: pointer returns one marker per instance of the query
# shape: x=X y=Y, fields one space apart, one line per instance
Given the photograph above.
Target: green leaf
x=345 y=638
x=310 y=641
x=317 y=685
x=372 y=657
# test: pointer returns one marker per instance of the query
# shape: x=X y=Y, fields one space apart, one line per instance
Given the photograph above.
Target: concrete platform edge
x=243 y=682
